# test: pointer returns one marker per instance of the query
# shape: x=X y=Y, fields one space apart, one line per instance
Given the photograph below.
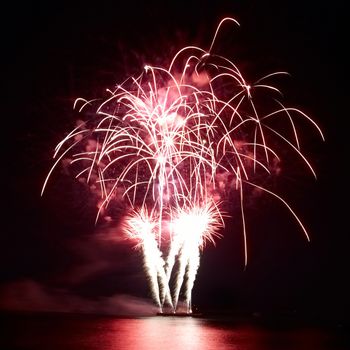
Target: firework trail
x=170 y=143
x=141 y=227
x=193 y=227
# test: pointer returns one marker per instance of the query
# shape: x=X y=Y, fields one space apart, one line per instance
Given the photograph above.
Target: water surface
x=87 y=332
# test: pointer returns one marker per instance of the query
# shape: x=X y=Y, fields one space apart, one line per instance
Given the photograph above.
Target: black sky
x=54 y=52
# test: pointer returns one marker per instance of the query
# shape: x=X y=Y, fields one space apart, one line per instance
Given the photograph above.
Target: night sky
x=53 y=257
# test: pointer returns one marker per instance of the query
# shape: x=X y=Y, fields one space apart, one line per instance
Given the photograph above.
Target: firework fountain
x=167 y=143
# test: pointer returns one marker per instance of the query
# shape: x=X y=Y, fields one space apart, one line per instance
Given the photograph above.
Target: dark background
x=53 y=257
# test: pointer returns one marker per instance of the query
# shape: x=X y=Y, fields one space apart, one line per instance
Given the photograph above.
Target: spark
x=193 y=227
x=172 y=143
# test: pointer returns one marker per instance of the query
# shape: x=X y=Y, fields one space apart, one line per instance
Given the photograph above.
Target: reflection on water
x=52 y=332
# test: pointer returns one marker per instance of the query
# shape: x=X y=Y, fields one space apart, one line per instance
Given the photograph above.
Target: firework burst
x=170 y=143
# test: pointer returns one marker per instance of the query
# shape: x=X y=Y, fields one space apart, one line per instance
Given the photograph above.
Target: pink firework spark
x=166 y=141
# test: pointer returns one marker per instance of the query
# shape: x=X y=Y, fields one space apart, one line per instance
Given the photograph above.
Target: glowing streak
x=192 y=227
x=286 y=204
x=218 y=28
x=141 y=226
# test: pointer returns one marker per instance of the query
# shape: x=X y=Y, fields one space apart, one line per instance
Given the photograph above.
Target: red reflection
x=157 y=332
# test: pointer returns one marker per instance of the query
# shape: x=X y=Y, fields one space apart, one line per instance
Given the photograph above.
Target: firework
x=171 y=143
